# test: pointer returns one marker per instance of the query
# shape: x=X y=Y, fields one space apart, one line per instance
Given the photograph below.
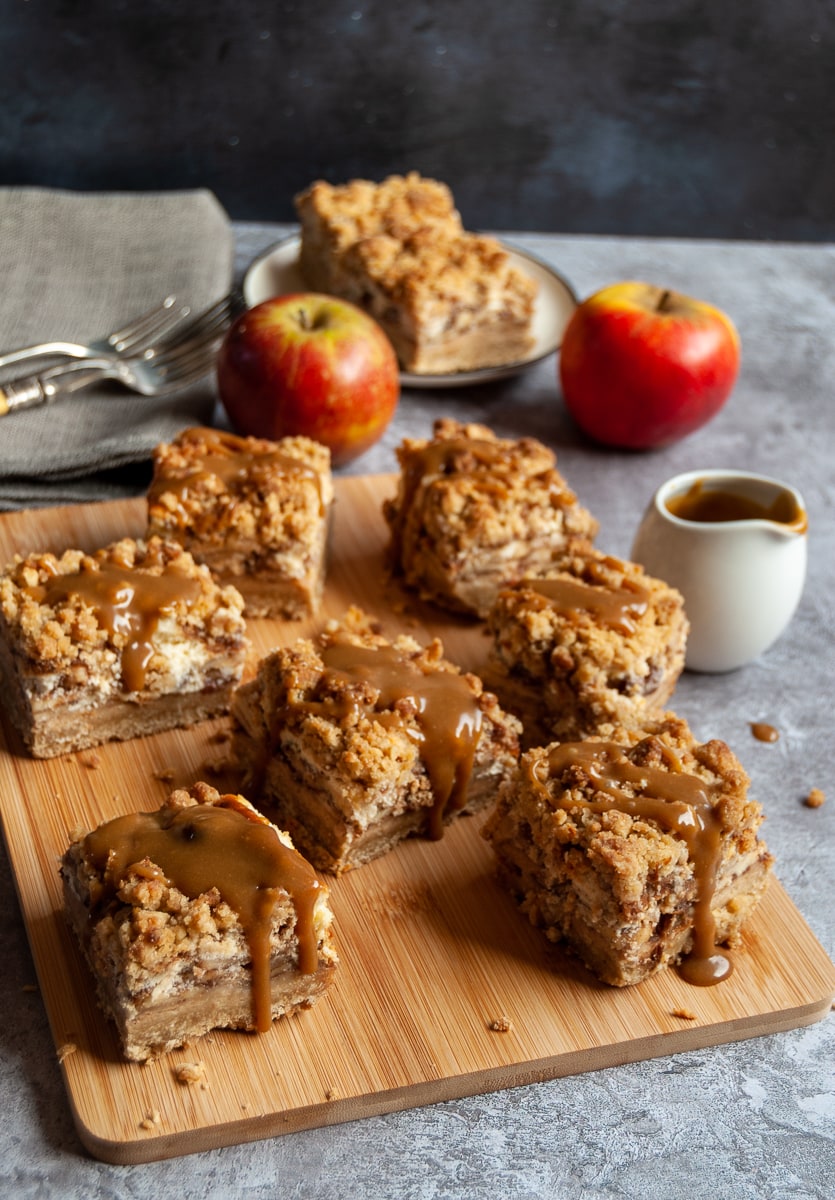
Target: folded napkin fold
x=75 y=266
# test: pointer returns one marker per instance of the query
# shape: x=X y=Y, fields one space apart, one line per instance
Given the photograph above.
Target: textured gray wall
x=672 y=117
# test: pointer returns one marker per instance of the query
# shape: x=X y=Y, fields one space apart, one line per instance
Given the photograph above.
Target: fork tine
x=197 y=358
x=139 y=324
x=186 y=372
x=155 y=329
x=202 y=342
x=213 y=320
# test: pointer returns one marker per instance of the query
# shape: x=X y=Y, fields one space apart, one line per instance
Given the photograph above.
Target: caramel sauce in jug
x=680 y=803
x=446 y=714
x=221 y=846
x=710 y=505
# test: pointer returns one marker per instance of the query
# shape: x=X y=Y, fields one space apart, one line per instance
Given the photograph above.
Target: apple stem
x=304 y=321
x=664 y=301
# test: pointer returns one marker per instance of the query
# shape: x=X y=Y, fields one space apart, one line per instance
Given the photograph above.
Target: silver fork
x=130 y=339
x=185 y=358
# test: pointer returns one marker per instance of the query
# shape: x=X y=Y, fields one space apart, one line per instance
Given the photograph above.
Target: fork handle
x=40 y=350
x=29 y=394
x=30 y=391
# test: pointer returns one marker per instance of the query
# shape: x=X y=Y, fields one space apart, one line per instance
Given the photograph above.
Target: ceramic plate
x=277 y=271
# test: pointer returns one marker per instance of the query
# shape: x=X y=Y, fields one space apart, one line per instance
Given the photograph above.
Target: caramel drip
x=712 y=505
x=229 y=459
x=447 y=715
x=616 y=608
x=216 y=846
x=680 y=803
x=764 y=732
x=128 y=603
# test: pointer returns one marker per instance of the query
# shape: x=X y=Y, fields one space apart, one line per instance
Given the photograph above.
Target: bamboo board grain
x=432 y=951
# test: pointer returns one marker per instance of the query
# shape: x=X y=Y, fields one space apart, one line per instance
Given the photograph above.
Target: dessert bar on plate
x=256 y=512
x=474 y=511
x=128 y=641
x=354 y=741
x=638 y=851
x=593 y=641
x=448 y=300
x=198 y=916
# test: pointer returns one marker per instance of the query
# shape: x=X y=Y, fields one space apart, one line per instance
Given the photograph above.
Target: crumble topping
x=591 y=640
x=255 y=512
x=215 y=486
x=474 y=511
x=398 y=207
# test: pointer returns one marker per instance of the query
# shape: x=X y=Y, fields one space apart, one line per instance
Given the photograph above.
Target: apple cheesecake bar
x=590 y=643
x=127 y=641
x=255 y=512
x=356 y=742
x=449 y=300
x=198 y=916
x=637 y=851
x=474 y=512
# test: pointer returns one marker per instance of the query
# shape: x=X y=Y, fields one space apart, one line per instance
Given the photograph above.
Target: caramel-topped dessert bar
x=473 y=512
x=638 y=851
x=590 y=643
x=124 y=642
x=255 y=512
x=357 y=741
x=447 y=299
x=198 y=916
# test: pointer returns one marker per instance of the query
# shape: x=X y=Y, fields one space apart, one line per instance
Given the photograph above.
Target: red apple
x=641 y=366
x=311 y=365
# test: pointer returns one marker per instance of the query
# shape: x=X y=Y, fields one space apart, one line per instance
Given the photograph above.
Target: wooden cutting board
x=432 y=952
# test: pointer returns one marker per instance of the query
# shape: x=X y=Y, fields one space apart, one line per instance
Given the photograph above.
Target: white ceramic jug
x=734 y=544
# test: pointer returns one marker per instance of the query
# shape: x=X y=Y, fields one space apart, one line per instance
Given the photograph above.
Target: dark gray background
x=709 y=118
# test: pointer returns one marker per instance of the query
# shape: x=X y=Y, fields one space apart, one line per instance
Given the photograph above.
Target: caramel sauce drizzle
x=220 y=846
x=680 y=803
x=617 y=608
x=127 y=603
x=447 y=715
x=709 y=505
x=229 y=459
x=764 y=732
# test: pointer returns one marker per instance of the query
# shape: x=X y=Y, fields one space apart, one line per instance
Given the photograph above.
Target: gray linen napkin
x=75 y=266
